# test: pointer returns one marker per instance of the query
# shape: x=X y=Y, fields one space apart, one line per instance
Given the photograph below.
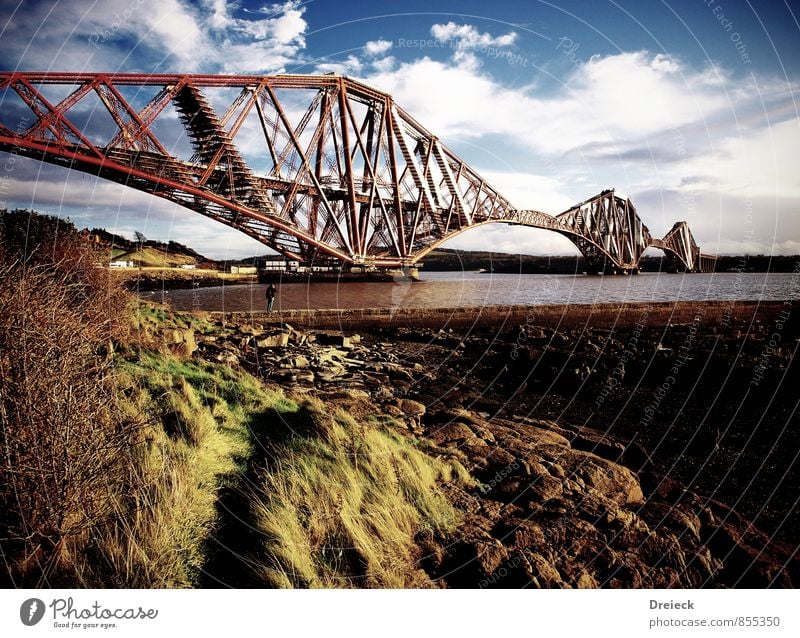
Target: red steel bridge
x=312 y=166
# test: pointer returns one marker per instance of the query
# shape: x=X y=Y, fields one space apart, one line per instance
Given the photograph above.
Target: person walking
x=271 y=292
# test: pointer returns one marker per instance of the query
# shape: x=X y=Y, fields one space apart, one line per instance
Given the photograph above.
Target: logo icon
x=31 y=611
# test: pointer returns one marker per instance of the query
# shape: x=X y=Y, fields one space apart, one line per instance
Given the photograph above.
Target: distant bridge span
x=311 y=166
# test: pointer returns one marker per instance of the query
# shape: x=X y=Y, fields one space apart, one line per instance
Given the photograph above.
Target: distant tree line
x=462 y=260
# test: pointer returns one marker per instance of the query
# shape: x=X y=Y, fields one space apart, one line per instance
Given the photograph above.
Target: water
x=451 y=289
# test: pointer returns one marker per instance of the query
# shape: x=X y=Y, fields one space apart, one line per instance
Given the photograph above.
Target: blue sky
x=688 y=107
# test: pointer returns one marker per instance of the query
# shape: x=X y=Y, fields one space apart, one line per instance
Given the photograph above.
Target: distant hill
x=148 y=253
x=173 y=254
x=151 y=256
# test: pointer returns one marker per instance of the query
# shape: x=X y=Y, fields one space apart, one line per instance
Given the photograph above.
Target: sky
x=689 y=107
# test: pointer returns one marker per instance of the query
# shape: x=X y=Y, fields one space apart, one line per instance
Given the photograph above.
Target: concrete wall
x=708 y=313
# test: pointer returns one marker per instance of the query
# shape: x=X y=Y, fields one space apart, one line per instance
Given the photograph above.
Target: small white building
x=121 y=263
x=189 y=266
x=285 y=265
x=243 y=270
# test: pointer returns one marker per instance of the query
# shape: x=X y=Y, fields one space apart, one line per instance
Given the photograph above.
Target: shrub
x=65 y=451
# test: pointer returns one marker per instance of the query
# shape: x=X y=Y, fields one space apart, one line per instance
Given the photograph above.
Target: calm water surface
x=475 y=289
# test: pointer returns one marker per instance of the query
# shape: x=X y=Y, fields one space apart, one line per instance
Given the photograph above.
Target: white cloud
x=384 y=65
x=608 y=100
x=174 y=25
x=284 y=26
x=762 y=163
x=349 y=66
x=220 y=18
x=175 y=35
x=377 y=47
x=466 y=36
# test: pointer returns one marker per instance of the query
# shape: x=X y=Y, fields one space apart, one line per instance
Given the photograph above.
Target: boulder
x=304 y=376
x=411 y=408
x=279 y=340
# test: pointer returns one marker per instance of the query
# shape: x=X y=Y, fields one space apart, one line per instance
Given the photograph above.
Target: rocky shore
x=641 y=453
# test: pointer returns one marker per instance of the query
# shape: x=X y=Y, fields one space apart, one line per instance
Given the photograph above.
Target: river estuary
x=454 y=289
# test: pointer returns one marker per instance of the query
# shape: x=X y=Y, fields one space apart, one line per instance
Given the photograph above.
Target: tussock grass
x=343 y=505
x=199 y=442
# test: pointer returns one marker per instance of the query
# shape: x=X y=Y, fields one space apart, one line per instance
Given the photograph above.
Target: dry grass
x=199 y=442
x=343 y=505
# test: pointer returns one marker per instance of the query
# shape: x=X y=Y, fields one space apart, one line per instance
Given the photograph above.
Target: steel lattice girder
x=341 y=169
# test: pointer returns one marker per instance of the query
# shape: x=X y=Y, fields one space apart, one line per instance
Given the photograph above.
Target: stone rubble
x=553 y=505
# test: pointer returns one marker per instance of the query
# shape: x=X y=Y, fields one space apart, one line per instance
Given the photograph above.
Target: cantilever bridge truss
x=312 y=166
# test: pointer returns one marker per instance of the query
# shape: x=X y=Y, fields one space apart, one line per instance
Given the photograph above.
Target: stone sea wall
x=722 y=314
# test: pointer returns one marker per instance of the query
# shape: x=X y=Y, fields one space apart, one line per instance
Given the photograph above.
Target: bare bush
x=65 y=463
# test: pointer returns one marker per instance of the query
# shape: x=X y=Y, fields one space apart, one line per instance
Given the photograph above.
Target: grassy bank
x=198 y=439
x=128 y=461
x=330 y=500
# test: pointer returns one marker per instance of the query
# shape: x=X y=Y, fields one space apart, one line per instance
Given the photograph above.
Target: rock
x=489 y=556
x=228 y=358
x=411 y=408
x=331 y=355
x=541 y=572
x=615 y=481
x=451 y=433
x=357 y=393
x=279 y=340
x=536 y=334
x=181 y=342
x=338 y=340
x=330 y=373
x=299 y=361
x=586 y=581
x=304 y=376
